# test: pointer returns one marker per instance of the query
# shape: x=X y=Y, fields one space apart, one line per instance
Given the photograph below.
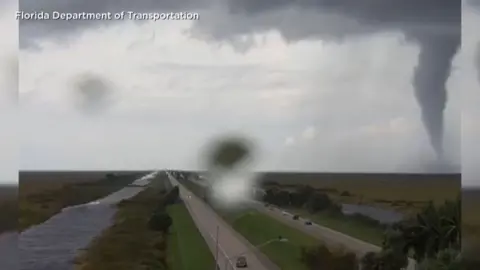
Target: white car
x=284 y=213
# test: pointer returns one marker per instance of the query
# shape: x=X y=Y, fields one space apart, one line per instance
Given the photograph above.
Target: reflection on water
x=382 y=215
x=53 y=244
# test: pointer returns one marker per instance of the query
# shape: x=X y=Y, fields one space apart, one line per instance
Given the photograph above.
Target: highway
x=324 y=234
x=230 y=243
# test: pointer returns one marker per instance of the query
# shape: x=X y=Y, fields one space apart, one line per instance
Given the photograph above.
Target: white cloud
x=289 y=141
x=309 y=133
x=170 y=94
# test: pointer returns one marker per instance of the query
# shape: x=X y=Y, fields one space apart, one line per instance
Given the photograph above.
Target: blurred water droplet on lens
x=229 y=165
x=92 y=93
x=229 y=153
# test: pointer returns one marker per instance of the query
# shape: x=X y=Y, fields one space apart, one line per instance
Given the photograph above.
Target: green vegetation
x=129 y=243
x=320 y=208
x=432 y=238
x=152 y=230
x=301 y=251
x=37 y=207
x=258 y=228
x=356 y=225
x=400 y=192
x=320 y=257
x=186 y=247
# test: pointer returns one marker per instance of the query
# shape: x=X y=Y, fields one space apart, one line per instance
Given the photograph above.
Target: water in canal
x=381 y=215
x=54 y=244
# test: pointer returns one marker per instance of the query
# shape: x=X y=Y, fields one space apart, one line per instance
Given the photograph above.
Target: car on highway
x=241 y=262
x=284 y=213
x=308 y=222
x=296 y=217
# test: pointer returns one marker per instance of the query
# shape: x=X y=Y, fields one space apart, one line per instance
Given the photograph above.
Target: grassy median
x=186 y=247
x=346 y=225
x=259 y=228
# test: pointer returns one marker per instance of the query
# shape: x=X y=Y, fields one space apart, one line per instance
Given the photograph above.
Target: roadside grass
x=346 y=225
x=37 y=207
x=258 y=228
x=186 y=247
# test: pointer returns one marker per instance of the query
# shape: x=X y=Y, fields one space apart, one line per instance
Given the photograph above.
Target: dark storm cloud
x=432 y=24
x=31 y=30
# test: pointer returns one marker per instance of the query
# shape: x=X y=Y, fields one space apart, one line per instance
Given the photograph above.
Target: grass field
x=44 y=194
x=186 y=247
x=258 y=228
x=405 y=193
x=39 y=181
x=345 y=225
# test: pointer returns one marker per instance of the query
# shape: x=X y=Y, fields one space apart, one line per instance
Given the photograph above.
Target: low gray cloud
x=477 y=61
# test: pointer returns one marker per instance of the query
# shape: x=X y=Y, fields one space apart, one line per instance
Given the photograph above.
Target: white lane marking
x=225 y=255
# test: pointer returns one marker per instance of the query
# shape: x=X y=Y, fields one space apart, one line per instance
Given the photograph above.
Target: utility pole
x=216 y=248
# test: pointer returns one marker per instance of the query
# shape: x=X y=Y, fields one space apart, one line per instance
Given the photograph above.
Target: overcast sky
x=316 y=87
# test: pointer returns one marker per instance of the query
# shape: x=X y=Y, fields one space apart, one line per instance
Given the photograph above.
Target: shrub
x=448 y=259
x=160 y=221
x=320 y=257
x=389 y=259
x=318 y=202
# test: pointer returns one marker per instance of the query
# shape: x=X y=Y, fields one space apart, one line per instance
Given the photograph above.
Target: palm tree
x=433 y=230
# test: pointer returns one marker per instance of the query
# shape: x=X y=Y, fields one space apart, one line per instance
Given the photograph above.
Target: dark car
x=241 y=262
x=308 y=222
x=296 y=217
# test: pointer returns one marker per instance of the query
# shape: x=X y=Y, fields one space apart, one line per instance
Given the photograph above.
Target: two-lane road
x=229 y=242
